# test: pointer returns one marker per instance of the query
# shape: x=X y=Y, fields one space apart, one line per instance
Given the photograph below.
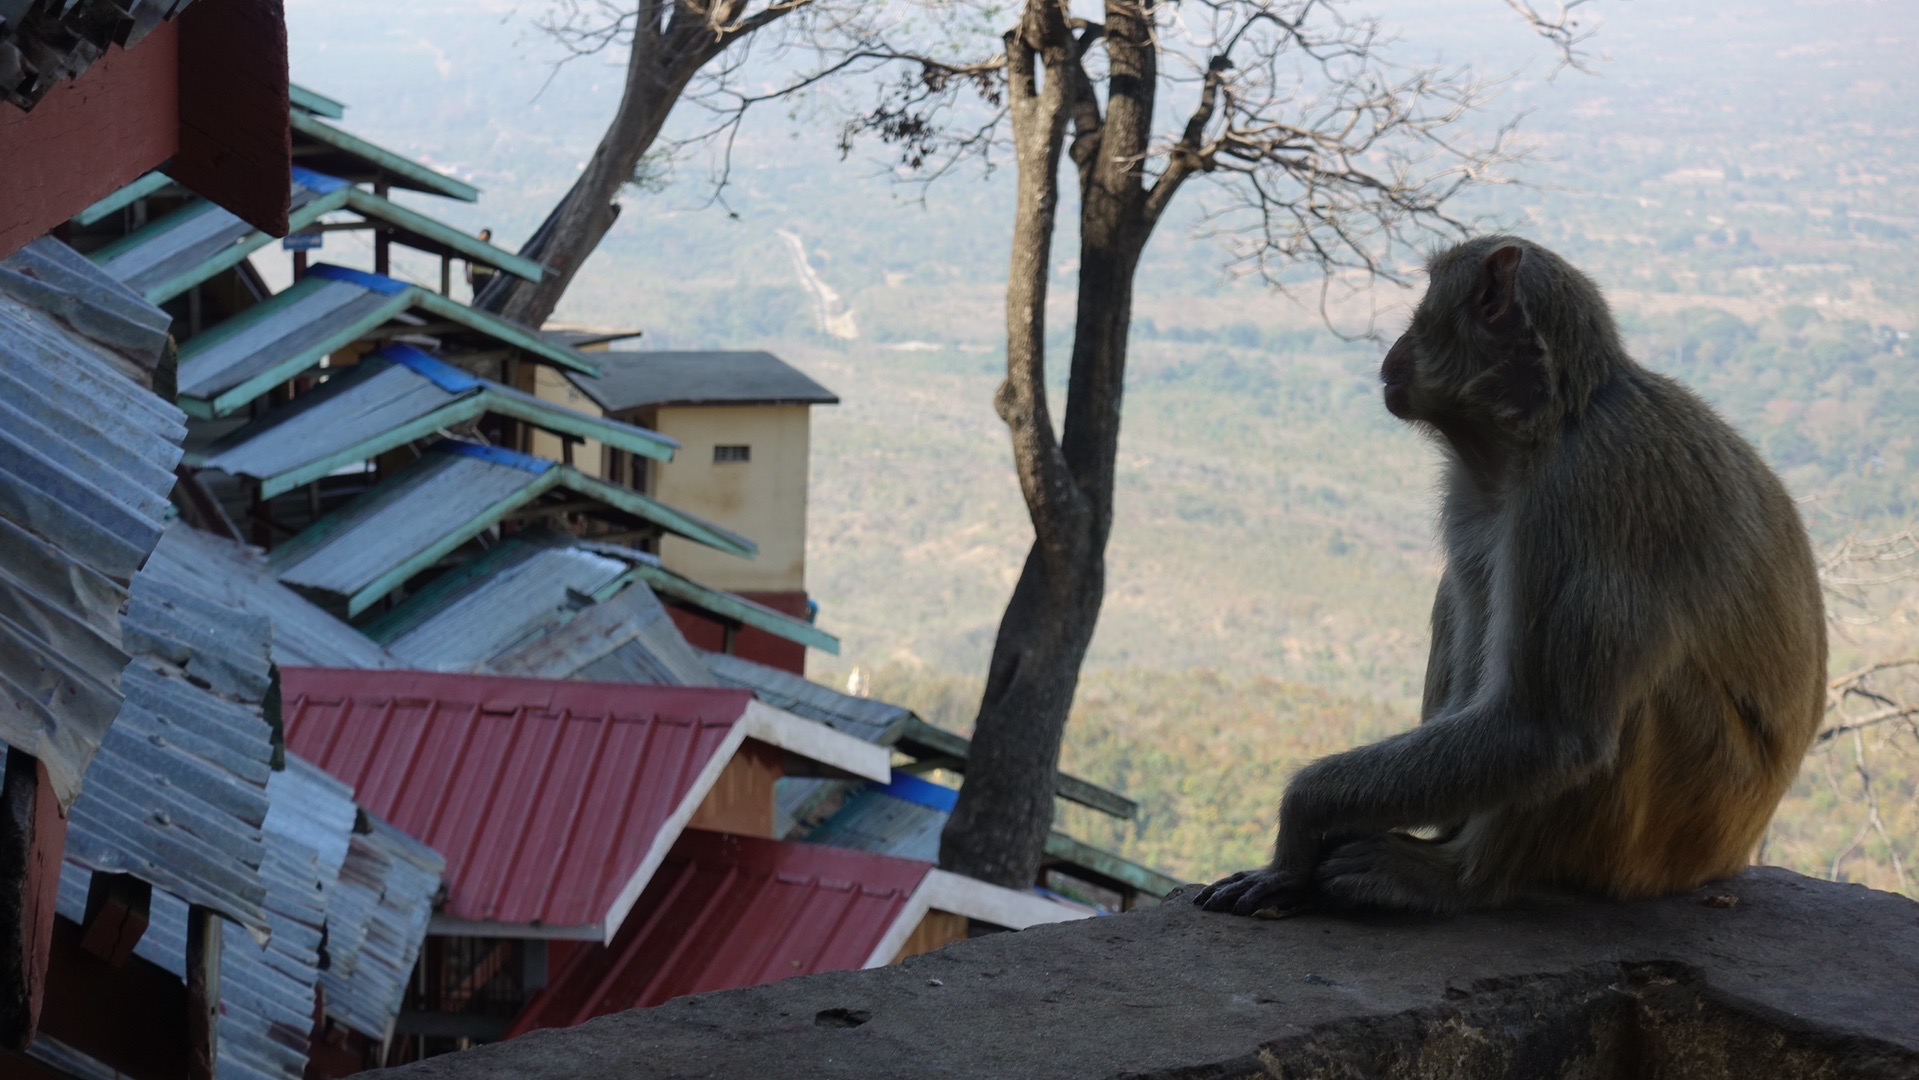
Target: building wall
x=936 y=931
x=743 y=801
x=588 y=455
x=748 y=642
x=763 y=498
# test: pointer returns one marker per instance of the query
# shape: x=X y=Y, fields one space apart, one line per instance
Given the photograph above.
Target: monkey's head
x=1509 y=340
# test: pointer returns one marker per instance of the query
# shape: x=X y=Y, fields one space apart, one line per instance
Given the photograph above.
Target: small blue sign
x=306 y=241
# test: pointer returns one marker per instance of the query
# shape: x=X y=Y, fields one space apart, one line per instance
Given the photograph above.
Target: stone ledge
x=1789 y=978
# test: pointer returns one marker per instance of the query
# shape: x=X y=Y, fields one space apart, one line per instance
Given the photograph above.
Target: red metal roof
x=725 y=912
x=546 y=797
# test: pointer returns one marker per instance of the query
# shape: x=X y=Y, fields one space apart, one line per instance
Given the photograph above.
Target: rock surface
x=1769 y=975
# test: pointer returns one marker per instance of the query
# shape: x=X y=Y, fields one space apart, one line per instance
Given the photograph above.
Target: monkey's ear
x=1497 y=300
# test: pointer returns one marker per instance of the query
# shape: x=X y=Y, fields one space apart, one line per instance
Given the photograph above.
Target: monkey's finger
x=1268 y=889
x=1206 y=895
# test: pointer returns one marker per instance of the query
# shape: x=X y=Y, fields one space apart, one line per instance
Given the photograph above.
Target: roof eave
x=414 y=173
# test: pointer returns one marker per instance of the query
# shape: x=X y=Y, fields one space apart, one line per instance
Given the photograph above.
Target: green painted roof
x=407 y=172
x=314 y=102
x=230 y=365
x=125 y=197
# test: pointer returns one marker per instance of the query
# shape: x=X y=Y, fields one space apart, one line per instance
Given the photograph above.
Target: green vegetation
x=1741 y=178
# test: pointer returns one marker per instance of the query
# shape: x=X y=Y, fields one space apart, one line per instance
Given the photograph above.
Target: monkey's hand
x=1252 y=892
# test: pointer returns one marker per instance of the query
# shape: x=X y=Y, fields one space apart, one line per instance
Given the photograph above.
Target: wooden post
x=203 y=992
x=33 y=838
x=382 y=241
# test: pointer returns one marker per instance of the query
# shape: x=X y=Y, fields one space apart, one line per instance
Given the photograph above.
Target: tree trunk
x=661 y=63
x=998 y=829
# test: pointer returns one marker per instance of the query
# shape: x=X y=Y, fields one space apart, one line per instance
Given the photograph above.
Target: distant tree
x=1326 y=160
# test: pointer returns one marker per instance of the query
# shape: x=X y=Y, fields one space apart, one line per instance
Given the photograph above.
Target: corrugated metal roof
x=866 y=718
x=548 y=799
x=191 y=244
x=454 y=492
x=86 y=460
x=499 y=602
x=727 y=912
x=903 y=818
x=199 y=240
x=629 y=638
x=376 y=923
x=230 y=365
x=44 y=44
x=726 y=606
x=238 y=576
x=327 y=148
x=267 y=993
x=178 y=790
x=638 y=380
x=396 y=396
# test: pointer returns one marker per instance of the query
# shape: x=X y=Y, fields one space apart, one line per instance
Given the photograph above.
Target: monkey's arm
x=1439 y=659
x=1546 y=715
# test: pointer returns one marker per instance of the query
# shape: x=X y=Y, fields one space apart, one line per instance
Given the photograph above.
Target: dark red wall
x=750 y=644
x=89 y=138
x=206 y=92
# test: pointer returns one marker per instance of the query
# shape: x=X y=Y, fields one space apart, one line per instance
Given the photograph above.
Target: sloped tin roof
x=455 y=491
x=187 y=246
x=393 y=397
x=549 y=800
x=86 y=461
x=230 y=365
x=178 y=792
x=238 y=576
x=638 y=380
x=726 y=912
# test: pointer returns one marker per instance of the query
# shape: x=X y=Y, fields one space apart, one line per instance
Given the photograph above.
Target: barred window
x=723 y=454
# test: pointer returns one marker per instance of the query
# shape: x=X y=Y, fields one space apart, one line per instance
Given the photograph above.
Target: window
x=724 y=454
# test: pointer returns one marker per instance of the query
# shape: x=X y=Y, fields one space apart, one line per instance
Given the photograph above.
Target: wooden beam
x=203 y=992
x=235 y=144
x=33 y=838
x=119 y=907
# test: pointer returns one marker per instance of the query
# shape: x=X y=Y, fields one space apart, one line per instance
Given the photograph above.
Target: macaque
x=1628 y=643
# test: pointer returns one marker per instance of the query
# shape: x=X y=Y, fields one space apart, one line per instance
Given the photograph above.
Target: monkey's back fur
x=1649 y=482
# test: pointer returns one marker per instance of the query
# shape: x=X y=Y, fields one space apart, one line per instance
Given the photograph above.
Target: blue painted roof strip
x=318 y=181
x=378 y=283
x=498 y=455
x=921 y=792
x=445 y=376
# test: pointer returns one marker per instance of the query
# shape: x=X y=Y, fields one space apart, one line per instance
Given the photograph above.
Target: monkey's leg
x=1396 y=872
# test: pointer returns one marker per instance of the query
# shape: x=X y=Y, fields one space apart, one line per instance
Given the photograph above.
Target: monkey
x=1628 y=656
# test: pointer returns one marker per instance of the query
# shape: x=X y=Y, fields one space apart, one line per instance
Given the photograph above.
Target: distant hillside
x=1742 y=178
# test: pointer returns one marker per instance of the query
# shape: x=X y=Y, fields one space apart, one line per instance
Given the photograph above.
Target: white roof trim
x=996 y=904
x=943 y=890
x=817 y=742
x=670 y=829
x=903 y=926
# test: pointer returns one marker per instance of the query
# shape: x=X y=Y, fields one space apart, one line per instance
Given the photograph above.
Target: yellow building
x=743 y=423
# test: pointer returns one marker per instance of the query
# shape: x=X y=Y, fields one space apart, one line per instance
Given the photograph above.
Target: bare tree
x=669 y=43
x=1327 y=163
x=1865 y=754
